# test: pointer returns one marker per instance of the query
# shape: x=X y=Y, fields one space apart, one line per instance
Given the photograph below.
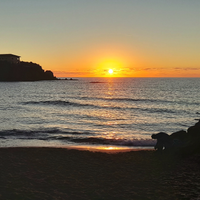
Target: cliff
x=24 y=71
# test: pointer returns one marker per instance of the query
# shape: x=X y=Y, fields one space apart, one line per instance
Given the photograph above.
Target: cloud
x=146 y=69
x=187 y=68
x=72 y=73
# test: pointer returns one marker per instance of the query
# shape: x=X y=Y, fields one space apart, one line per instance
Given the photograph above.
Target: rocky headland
x=24 y=71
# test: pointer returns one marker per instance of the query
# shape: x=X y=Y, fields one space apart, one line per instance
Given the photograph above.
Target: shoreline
x=102 y=149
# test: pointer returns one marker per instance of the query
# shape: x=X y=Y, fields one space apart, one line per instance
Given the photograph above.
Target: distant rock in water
x=23 y=71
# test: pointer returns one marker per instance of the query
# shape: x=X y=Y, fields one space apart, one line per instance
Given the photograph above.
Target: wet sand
x=60 y=174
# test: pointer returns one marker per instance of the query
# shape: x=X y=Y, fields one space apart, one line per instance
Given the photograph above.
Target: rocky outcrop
x=183 y=141
x=24 y=71
x=163 y=141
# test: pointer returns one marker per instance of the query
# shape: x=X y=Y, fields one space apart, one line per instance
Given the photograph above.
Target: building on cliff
x=11 y=58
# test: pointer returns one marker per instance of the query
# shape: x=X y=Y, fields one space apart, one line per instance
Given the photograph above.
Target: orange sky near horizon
x=132 y=73
x=74 y=38
x=124 y=64
x=125 y=61
x=120 y=70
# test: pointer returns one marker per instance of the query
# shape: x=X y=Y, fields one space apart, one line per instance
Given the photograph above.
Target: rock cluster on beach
x=24 y=71
x=184 y=141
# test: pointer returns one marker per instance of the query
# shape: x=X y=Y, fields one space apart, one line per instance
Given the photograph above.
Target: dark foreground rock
x=24 y=71
x=187 y=142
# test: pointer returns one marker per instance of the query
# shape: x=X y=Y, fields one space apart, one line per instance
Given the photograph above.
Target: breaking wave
x=88 y=106
x=116 y=142
x=161 y=101
x=67 y=103
x=39 y=132
x=72 y=137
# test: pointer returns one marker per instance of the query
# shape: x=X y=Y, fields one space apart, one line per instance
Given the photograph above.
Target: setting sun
x=110 y=71
x=109 y=67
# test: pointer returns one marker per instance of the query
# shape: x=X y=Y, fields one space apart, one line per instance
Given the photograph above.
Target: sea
x=96 y=112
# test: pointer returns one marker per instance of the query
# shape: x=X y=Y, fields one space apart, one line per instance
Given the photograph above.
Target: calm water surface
x=121 y=112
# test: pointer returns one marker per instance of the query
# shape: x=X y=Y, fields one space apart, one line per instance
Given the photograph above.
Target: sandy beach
x=56 y=173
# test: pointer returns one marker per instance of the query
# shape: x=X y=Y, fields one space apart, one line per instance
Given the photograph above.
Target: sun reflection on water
x=109 y=148
x=106 y=149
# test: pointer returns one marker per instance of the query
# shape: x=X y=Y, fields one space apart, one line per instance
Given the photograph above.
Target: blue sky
x=75 y=36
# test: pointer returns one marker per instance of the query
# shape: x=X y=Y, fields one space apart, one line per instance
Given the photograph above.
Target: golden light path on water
x=108 y=149
x=94 y=148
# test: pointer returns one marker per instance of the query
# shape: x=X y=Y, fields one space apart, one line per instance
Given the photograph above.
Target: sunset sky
x=87 y=38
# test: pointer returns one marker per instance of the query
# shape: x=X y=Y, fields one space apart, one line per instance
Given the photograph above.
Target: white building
x=10 y=58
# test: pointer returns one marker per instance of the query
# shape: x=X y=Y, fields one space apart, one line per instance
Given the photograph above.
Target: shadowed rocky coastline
x=24 y=71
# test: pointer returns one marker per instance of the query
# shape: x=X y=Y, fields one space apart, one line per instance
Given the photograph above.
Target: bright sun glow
x=111 y=68
x=110 y=71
